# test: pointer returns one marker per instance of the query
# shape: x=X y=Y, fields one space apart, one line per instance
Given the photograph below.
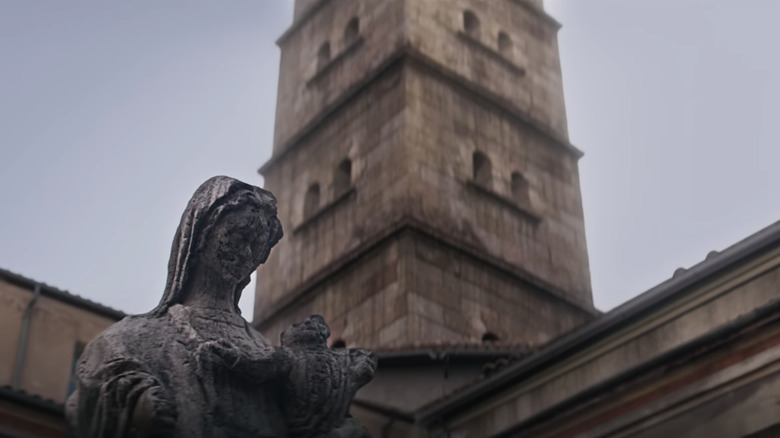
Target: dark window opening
x=77 y=351
x=311 y=202
x=338 y=343
x=323 y=55
x=489 y=337
x=470 y=24
x=519 y=188
x=351 y=31
x=342 y=177
x=482 y=169
x=504 y=43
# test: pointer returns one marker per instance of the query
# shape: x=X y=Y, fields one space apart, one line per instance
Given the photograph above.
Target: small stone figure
x=193 y=367
x=322 y=382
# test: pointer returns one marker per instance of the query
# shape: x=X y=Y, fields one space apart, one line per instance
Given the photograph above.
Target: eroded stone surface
x=323 y=381
x=193 y=367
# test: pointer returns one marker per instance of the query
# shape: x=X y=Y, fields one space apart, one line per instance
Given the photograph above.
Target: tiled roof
x=455 y=347
x=488 y=370
x=31 y=400
x=62 y=295
x=385 y=410
x=682 y=280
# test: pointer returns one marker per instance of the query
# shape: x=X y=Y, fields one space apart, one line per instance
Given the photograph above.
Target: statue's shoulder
x=126 y=338
x=133 y=326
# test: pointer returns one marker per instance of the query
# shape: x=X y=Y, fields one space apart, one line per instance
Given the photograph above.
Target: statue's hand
x=154 y=415
x=270 y=364
x=364 y=365
x=349 y=429
x=283 y=359
x=224 y=352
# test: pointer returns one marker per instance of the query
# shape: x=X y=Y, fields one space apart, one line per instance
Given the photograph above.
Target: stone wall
x=407 y=388
x=542 y=232
x=678 y=387
x=360 y=303
x=367 y=130
x=415 y=290
x=18 y=420
x=13 y=301
x=409 y=99
x=454 y=297
x=307 y=87
x=527 y=73
x=302 y=7
x=55 y=330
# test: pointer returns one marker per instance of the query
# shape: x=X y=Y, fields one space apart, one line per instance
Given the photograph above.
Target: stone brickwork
x=308 y=89
x=361 y=304
x=695 y=353
x=414 y=290
x=454 y=297
x=526 y=74
x=367 y=131
x=302 y=7
x=411 y=102
x=542 y=234
x=55 y=331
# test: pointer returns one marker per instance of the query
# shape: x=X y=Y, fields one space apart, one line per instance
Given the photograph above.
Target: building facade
x=425 y=180
x=431 y=203
x=696 y=356
x=432 y=212
x=44 y=330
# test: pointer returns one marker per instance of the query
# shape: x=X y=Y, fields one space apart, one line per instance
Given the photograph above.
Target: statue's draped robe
x=217 y=372
x=218 y=390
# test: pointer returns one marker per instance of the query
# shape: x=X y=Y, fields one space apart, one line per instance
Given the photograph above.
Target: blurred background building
x=431 y=204
x=42 y=333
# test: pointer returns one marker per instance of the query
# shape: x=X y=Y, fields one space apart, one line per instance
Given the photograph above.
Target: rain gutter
x=22 y=350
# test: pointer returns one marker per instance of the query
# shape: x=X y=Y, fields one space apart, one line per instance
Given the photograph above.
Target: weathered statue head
x=193 y=367
x=227 y=230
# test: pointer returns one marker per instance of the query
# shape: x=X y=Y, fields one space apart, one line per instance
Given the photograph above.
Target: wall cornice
x=410 y=55
x=393 y=231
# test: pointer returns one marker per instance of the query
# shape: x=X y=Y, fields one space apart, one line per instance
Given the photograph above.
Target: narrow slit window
x=78 y=349
x=504 y=43
x=352 y=31
x=311 y=202
x=482 y=169
x=489 y=337
x=519 y=188
x=342 y=177
x=470 y=24
x=323 y=55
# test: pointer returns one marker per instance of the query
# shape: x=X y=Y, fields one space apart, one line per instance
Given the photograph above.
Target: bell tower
x=425 y=180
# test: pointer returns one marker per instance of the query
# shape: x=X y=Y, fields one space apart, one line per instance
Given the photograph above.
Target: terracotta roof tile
x=32 y=400
x=62 y=295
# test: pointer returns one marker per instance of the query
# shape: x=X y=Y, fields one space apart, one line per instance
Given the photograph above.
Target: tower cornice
x=410 y=224
x=547 y=18
x=418 y=58
x=299 y=23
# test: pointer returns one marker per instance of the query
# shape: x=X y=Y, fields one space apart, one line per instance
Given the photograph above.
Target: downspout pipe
x=21 y=351
x=388 y=427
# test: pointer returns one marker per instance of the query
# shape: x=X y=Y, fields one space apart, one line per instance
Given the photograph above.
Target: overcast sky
x=112 y=113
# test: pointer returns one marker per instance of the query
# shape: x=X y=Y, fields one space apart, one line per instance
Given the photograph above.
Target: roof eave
x=609 y=322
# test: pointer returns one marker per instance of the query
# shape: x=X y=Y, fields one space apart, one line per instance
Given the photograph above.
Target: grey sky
x=112 y=113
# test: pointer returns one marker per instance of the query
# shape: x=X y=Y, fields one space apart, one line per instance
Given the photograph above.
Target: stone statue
x=193 y=367
x=322 y=382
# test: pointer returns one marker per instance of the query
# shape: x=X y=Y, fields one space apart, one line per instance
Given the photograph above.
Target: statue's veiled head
x=228 y=228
